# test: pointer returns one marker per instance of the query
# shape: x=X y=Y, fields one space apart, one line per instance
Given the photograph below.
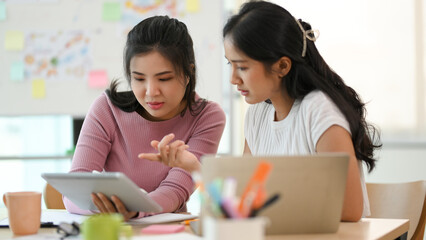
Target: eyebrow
x=236 y=61
x=157 y=74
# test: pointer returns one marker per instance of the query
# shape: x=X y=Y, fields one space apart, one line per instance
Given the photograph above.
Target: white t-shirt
x=299 y=132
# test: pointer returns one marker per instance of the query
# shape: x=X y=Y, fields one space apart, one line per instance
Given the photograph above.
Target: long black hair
x=266 y=32
x=171 y=39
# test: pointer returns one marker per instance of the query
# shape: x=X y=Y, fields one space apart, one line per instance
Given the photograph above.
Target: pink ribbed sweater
x=111 y=140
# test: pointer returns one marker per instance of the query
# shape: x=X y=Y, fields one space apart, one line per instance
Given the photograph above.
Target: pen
x=254 y=194
x=47 y=224
x=216 y=199
x=225 y=204
x=268 y=202
x=186 y=222
x=229 y=188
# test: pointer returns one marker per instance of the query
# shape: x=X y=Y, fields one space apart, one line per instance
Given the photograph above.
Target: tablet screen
x=78 y=186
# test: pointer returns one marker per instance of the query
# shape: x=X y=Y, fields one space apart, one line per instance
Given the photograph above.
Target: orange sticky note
x=39 y=88
x=98 y=79
x=193 y=6
x=14 y=41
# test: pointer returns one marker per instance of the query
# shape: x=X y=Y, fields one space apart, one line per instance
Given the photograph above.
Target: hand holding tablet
x=79 y=186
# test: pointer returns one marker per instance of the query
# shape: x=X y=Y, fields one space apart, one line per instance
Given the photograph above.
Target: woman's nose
x=152 y=88
x=235 y=78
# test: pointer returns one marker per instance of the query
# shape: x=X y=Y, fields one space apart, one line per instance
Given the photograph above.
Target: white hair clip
x=312 y=34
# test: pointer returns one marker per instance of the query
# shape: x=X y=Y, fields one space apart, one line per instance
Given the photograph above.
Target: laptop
x=311 y=188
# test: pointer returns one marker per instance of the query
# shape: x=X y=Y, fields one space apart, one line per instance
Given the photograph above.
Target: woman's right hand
x=114 y=205
x=172 y=154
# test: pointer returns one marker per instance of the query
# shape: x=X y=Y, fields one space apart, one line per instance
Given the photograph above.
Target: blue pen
x=215 y=199
x=225 y=205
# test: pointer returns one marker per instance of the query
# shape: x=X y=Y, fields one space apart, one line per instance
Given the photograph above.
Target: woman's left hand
x=114 y=206
x=173 y=154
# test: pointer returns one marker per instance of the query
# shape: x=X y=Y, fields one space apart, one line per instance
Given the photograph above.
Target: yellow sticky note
x=14 y=40
x=111 y=11
x=193 y=5
x=98 y=79
x=39 y=88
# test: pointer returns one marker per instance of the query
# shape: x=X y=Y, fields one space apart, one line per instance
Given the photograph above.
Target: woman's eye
x=165 y=79
x=242 y=68
x=139 y=79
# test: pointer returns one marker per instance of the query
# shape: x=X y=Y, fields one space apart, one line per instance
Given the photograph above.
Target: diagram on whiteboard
x=57 y=55
x=136 y=10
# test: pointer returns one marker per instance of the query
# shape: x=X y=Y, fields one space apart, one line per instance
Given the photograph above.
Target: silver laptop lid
x=311 y=188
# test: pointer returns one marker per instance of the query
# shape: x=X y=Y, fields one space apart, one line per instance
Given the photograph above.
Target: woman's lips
x=243 y=92
x=155 y=105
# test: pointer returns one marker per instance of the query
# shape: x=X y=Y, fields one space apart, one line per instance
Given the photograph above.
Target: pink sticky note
x=166 y=228
x=98 y=79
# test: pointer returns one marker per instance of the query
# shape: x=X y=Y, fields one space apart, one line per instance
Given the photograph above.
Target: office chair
x=52 y=198
x=402 y=201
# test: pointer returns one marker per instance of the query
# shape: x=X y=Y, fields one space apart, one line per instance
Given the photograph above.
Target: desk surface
x=367 y=228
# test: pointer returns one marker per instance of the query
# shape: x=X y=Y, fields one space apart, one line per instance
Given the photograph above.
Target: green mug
x=105 y=227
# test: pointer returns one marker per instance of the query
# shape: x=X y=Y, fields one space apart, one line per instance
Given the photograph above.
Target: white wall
x=399 y=164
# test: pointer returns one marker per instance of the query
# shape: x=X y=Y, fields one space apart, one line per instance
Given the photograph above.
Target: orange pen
x=254 y=194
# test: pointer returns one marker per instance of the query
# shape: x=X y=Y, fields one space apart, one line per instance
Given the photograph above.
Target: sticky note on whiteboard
x=14 y=40
x=193 y=6
x=111 y=11
x=17 y=71
x=39 y=88
x=98 y=79
x=2 y=11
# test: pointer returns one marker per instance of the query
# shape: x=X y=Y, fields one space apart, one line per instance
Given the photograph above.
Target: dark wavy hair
x=171 y=39
x=266 y=32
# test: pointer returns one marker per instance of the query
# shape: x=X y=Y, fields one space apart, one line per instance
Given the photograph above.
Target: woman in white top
x=299 y=105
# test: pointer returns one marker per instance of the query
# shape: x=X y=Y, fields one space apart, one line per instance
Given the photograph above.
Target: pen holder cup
x=227 y=229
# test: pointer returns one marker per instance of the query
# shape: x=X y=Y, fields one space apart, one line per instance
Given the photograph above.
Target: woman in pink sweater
x=161 y=116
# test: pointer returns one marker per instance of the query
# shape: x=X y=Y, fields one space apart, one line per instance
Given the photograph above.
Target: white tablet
x=78 y=186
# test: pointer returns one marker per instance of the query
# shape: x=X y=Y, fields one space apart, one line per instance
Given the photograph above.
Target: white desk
x=366 y=229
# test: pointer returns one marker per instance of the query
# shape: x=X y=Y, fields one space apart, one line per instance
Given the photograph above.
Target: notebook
x=311 y=188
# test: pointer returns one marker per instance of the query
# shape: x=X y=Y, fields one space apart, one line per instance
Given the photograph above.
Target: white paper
x=162 y=218
x=45 y=236
x=174 y=236
x=58 y=216
x=55 y=216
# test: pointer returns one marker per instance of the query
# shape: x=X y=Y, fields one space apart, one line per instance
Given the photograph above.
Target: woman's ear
x=192 y=70
x=282 y=66
x=192 y=66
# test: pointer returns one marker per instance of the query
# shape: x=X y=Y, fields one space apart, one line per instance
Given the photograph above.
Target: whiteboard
x=74 y=96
